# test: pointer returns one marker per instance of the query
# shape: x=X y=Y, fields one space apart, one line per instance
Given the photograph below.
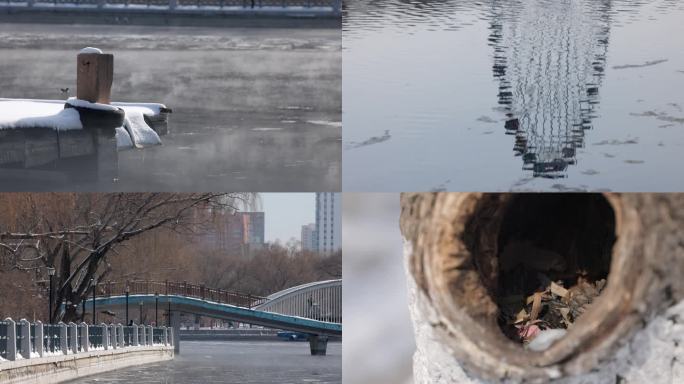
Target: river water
x=513 y=95
x=254 y=109
x=236 y=362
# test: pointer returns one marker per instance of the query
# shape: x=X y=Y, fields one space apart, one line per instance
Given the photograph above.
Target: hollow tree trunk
x=631 y=333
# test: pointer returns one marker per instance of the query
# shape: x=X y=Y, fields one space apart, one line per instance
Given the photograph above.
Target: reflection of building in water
x=549 y=58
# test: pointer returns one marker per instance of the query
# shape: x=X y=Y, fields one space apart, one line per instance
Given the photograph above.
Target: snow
x=123 y=139
x=545 y=338
x=91 y=50
x=140 y=133
x=35 y=113
x=23 y=113
x=74 y=102
x=148 y=109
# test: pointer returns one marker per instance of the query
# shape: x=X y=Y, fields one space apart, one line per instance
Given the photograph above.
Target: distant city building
x=309 y=238
x=240 y=232
x=328 y=222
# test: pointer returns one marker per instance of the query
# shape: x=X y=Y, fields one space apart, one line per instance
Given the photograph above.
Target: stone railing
x=25 y=340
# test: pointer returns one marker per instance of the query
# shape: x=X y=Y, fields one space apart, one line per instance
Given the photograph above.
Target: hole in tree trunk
x=543 y=259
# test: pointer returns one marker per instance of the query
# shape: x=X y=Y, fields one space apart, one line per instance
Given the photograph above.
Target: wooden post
x=94 y=75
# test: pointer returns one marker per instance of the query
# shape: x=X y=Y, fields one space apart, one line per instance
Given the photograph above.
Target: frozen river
x=235 y=362
x=513 y=95
x=254 y=109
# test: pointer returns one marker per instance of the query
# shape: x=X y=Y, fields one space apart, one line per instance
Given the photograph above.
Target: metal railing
x=321 y=300
x=52 y=340
x=33 y=340
x=4 y=338
x=182 y=5
x=165 y=288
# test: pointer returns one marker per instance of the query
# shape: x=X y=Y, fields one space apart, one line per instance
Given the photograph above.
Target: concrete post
x=85 y=340
x=150 y=335
x=143 y=339
x=39 y=338
x=11 y=339
x=175 y=335
x=94 y=74
x=134 y=342
x=166 y=336
x=105 y=336
x=318 y=345
x=26 y=341
x=73 y=338
x=63 y=338
x=112 y=330
x=121 y=336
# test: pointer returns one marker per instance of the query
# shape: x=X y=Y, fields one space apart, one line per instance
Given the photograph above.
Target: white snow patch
x=87 y=104
x=123 y=139
x=91 y=50
x=545 y=338
x=32 y=113
x=147 y=109
x=266 y=129
x=140 y=133
x=336 y=124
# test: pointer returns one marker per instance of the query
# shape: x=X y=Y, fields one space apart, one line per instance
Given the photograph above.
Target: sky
x=286 y=213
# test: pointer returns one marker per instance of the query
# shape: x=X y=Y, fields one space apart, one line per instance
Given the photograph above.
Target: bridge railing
x=165 y=288
x=25 y=340
x=334 y=5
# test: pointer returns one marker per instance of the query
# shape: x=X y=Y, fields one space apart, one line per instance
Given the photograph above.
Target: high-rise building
x=253 y=228
x=240 y=232
x=309 y=238
x=328 y=222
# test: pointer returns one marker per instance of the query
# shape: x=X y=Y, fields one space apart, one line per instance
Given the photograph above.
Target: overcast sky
x=286 y=213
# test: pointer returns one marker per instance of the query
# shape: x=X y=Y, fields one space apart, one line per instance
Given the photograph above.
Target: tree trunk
x=453 y=247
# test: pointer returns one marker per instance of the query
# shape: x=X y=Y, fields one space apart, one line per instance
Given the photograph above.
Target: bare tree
x=77 y=233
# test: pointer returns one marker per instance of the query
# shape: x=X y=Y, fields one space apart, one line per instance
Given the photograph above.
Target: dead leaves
x=551 y=307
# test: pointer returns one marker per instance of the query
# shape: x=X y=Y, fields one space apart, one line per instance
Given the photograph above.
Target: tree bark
x=451 y=254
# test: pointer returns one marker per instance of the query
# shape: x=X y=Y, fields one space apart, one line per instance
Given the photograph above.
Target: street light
x=92 y=283
x=51 y=272
x=128 y=289
x=156 y=309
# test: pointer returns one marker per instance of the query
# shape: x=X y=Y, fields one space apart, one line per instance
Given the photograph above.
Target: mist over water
x=253 y=108
x=513 y=95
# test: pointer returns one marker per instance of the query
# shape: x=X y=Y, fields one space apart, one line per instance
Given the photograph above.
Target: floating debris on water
x=646 y=64
x=373 y=140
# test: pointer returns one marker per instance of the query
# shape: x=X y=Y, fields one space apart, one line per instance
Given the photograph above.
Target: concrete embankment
x=197 y=19
x=57 y=369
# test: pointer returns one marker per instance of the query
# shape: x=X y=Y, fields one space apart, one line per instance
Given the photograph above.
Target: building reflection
x=549 y=60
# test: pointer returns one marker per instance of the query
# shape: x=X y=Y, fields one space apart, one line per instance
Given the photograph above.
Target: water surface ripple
x=512 y=95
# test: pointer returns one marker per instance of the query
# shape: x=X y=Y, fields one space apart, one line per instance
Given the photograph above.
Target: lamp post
x=51 y=272
x=156 y=309
x=92 y=283
x=128 y=290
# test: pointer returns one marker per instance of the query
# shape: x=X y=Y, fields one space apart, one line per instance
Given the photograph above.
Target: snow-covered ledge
x=141 y=124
